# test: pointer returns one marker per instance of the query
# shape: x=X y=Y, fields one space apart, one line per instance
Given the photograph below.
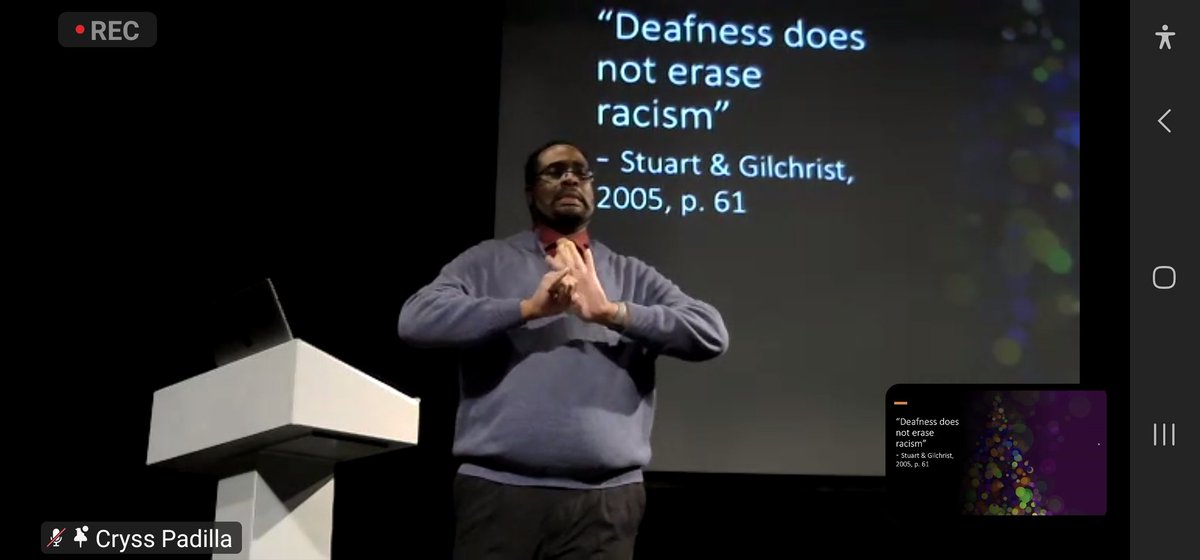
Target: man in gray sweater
x=559 y=335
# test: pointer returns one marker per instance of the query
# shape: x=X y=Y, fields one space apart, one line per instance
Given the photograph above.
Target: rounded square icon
x=1164 y=277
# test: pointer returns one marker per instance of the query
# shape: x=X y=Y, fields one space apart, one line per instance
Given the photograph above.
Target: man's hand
x=562 y=260
x=580 y=289
x=564 y=254
x=549 y=299
x=588 y=299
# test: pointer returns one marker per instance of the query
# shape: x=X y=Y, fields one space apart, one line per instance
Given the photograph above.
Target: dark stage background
x=258 y=146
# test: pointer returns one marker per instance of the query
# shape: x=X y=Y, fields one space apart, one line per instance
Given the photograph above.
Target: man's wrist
x=527 y=310
x=618 y=315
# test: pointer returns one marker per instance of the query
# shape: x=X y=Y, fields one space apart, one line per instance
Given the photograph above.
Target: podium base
x=285 y=506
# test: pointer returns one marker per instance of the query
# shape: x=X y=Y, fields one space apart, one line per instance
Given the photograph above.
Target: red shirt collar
x=547 y=238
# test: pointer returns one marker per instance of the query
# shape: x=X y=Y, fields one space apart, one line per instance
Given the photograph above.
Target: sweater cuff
x=639 y=320
x=506 y=314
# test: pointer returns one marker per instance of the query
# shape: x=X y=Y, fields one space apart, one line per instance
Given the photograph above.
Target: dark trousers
x=503 y=522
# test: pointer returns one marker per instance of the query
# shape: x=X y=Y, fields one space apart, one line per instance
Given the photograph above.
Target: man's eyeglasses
x=557 y=171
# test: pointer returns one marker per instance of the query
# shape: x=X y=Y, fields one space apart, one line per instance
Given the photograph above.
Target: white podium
x=272 y=426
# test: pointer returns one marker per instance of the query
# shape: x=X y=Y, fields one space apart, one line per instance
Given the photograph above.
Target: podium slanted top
x=290 y=398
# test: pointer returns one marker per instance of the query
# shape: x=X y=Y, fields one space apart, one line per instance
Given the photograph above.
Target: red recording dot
x=79 y=30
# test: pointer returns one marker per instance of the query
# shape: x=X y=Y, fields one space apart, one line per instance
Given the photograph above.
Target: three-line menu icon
x=1164 y=437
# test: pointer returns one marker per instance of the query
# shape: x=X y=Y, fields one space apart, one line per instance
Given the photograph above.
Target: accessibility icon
x=1166 y=38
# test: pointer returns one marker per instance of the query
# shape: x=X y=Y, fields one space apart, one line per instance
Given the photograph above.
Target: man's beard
x=560 y=222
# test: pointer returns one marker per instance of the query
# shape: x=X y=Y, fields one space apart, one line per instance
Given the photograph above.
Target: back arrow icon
x=1163 y=117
